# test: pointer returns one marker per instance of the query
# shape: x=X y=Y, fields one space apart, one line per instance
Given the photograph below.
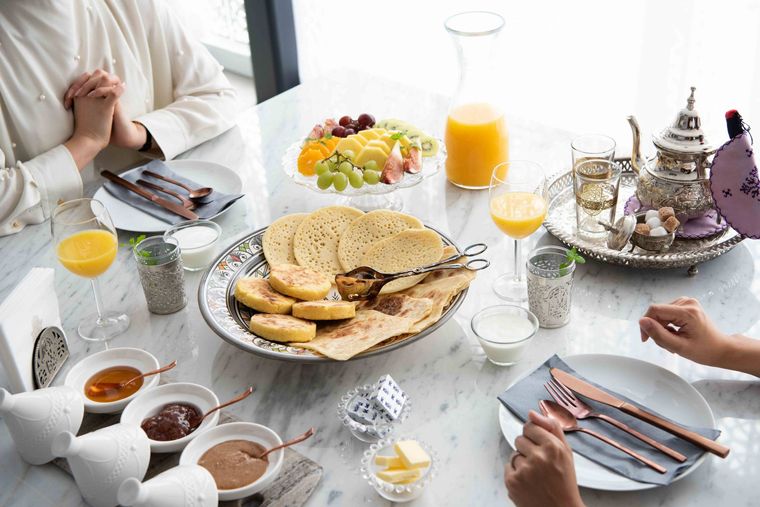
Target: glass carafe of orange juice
x=476 y=133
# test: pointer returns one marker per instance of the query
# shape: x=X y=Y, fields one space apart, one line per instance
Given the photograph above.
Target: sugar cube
x=652 y=213
x=671 y=224
x=654 y=223
x=665 y=212
x=658 y=231
x=388 y=397
x=363 y=411
x=642 y=229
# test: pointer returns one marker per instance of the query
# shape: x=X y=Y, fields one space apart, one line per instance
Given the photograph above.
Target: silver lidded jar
x=550 y=285
x=159 y=264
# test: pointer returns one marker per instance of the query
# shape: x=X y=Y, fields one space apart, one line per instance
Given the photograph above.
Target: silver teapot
x=677 y=176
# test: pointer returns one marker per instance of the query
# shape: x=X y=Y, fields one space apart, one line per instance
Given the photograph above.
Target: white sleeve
x=32 y=189
x=204 y=103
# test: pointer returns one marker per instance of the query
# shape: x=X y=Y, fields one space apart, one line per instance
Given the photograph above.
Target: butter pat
x=389 y=461
x=412 y=454
x=399 y=475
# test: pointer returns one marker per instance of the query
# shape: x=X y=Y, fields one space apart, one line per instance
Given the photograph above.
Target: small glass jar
x=550 y=285
x=365 y=432
x=504 y=331
x=159 y=264
x=198 y=242
x=397 y=492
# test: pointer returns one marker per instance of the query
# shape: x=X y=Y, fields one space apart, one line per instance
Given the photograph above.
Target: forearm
x=741 y=354
x=83 y=149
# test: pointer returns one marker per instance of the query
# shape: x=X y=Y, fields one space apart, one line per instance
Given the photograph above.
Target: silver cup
x=550 y=285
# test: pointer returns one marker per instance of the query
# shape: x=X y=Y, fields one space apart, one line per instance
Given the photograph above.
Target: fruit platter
x=364 y=159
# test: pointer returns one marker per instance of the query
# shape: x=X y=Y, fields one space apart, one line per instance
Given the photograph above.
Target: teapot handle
x=635 y=151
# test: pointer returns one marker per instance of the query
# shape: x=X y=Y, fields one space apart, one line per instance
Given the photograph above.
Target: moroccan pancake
x=403 y=251
x=256 y=293
x=315 y=244
x=282 y=328
x=299 y=282
x=400 y=305
x=324 y=310
x=368 y=229
x=347 y=339
x=440 y=292
x=278 y=239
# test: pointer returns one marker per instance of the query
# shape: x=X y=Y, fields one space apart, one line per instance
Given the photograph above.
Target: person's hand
x=127 y=133
x=682 y=327
x=541 y=472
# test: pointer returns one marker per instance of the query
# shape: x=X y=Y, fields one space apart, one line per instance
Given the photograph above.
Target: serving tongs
x=365 y=283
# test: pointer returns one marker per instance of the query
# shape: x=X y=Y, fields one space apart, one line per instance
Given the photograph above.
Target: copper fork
x=581 y=410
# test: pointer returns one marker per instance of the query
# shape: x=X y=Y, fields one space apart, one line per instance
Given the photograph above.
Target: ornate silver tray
x=560 y=222
x=228 y=318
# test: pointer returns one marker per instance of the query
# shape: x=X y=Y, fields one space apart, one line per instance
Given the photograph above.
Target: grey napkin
x=210 y=206
x=525 y=395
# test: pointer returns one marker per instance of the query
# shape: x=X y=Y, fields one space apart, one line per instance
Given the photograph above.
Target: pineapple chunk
x=380 y=144
x=354 y=143
x=370 y=134
x=371 y=153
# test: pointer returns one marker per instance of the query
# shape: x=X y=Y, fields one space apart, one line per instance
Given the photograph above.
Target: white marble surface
x=454 y=388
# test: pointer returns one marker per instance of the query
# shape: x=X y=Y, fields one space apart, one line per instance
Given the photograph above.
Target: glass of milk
x=198 y=242
x=504 y=331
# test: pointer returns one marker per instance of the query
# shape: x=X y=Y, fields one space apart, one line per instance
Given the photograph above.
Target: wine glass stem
x=98 y=301
x=518 y=256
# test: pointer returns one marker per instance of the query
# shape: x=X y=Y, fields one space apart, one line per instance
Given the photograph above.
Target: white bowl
x=238 y=431
x=90 y=365
x=150 y=402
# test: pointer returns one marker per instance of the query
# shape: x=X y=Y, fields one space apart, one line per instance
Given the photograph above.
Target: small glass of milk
x=504 y=332
x=198 y=241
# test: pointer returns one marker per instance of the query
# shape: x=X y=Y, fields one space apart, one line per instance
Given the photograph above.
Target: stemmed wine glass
x=86 y=244
x=518 y=206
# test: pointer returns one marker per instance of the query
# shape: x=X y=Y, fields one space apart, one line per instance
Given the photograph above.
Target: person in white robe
x=87 y=85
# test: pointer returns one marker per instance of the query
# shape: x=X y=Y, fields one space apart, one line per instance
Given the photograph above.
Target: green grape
x=340 y=181
x=321 y=167
x=371 y=165
x=346 y=168
x=332 y=164
x=325 y=180
x=355 y=179
x=372 y=177
x=348 y=154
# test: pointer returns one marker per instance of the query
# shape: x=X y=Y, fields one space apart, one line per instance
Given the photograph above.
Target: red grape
x=360 y=127
x=345 y=120
x=339 y=131
x=348 y=132
x=366 y=119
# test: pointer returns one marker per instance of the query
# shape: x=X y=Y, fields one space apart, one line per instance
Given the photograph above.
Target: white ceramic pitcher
x=181 y=486
x=100 y=461
x=35 y=418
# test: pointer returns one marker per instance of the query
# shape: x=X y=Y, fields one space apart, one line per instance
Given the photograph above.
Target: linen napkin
x=210 y=206
x=525 y=395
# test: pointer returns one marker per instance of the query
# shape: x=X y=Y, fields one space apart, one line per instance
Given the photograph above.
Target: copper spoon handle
x=654 y=443
x=154 y=372
x=619 y=447
x=167 y=179
x=234 y=400
x=290 y=442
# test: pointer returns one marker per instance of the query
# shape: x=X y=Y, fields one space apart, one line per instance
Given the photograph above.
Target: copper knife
x=594 y=393
x=174 y=208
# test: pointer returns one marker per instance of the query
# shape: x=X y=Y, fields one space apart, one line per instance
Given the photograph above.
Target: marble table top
x=453 y=386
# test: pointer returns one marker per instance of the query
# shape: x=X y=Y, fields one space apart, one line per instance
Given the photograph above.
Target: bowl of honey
x=110 y=379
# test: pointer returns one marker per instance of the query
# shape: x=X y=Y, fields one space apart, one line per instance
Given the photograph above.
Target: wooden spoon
x=292 y=441
x=234 y=400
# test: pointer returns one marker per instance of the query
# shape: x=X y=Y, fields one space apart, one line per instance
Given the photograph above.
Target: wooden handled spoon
x=234 y=400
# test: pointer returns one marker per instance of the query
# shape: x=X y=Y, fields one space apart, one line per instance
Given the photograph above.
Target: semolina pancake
x=367 y=230
x=282 y=328
x=400 y=305
x=299 y=282
x=440 y=292
x=403 y=251
x=315 y=244
x=347 y=339
x=324 y=310
x=278 y=239
x=256 y=293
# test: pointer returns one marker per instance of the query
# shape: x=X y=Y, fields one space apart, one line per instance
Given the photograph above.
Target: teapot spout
x=636 y=149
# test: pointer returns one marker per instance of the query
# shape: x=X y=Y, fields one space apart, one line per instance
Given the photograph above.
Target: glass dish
x=364 y=432
x=196 y=254
x=396 y=492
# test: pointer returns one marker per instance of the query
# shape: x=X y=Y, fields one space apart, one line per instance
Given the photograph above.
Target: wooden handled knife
x=593 y=392
x=173 y=207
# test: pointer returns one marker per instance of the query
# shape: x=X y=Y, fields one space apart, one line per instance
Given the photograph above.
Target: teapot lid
x=685 y=135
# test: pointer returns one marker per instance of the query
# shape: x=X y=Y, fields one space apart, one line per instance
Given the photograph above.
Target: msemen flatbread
x=256 y=293
x=368 y=229
x=406 y=250
x=399 y=305
x=440 y=292
x=282 y=328
x=315 y=243
x=278 y=239
x=448 y=251
x=343 y=341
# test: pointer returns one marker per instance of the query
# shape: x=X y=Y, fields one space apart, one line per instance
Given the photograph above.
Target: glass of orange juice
x=476 y=132
x=518 y=206
x=86 y=244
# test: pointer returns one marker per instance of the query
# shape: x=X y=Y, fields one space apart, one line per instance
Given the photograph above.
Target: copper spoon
x=198 y=193
x=234 y=400
x=569 y=424
x=100 y=387
x=187 y=203
x=292 y=441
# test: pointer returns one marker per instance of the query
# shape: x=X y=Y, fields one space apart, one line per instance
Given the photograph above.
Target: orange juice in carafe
x=476 y=142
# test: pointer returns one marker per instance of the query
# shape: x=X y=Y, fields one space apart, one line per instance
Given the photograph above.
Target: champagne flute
x=518 y=207
x=86 y=244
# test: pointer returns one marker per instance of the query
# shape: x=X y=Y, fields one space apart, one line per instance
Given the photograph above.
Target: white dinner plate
x=206 y=174
x=646 y=383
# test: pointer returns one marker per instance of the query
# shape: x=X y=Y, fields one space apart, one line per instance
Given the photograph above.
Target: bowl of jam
x=171 y=414
x=230 y=453
x=103 y=379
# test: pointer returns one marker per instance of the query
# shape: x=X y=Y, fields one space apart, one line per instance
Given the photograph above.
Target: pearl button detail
x=113 y=61
x=42 y=96
x=13 y=145
x=77 y=57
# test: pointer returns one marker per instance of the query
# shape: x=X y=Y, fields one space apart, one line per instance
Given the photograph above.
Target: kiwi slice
x=428 y=143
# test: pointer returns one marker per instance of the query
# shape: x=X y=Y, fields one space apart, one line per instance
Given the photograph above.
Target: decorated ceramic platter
x=229 y=318
x=683 y=253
